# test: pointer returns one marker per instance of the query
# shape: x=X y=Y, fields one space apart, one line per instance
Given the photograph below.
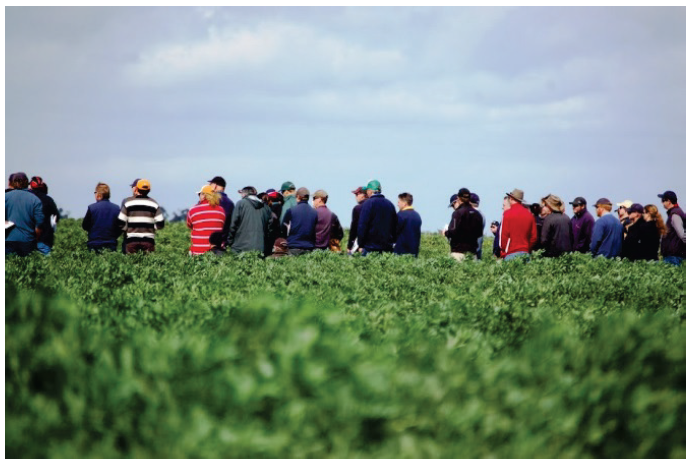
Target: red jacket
x=518 y=230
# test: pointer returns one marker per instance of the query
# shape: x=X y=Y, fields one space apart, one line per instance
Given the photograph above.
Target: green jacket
x=289 y=202
x=249 y=225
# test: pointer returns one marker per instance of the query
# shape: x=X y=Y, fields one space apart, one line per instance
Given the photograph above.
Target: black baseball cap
x=218 y=180
x=134 y=183
x=668 y=195
x=453 y=198
x=579 y=201
x=464 y=193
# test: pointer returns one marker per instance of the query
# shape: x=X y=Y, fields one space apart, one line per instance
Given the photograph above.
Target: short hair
x=103 y=190
x=20 y=183
x=303 y=198
x=406 y=197
x=606 y=206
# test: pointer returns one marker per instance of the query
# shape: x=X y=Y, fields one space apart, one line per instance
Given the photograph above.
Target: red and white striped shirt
x=204 y=220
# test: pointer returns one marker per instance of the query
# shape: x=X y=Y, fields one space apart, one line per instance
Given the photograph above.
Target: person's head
x=506 y=203
x=464 y=195
x=669 y=199
x=218 y=183
x=651 y=214
x=143 y=188
x=539 y=209
x=271 y=196
x=320 y=198
x=622 y=209
x=635 y=212
x=102 y=192
x=494 y=227
x=360 y=194
x=579 y=204
x=208 y=194
x=454 y=202
x=603 y=206
x=474 y=200
x=288 y=188
x=134 y=186
x=247 y=191
x=374 y=187
x=404 y=200
x=19 y=181
x=302 y=194
x=515 y=197
x=552 y=204
x=37 y=184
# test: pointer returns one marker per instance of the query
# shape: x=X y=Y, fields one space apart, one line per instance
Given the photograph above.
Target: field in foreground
x=330 y=356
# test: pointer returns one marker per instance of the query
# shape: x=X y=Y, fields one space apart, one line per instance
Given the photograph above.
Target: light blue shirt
x=25 y=210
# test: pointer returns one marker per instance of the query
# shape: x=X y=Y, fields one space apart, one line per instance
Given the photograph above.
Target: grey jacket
x=249 y=225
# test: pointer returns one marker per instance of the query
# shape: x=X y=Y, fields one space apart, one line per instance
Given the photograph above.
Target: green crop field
x=330 y=356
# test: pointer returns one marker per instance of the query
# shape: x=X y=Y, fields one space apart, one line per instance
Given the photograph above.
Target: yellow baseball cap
x=207 y=189
x=143 y=184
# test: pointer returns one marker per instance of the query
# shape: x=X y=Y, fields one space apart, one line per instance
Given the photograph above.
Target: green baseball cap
x=287 y=185
x=374 y=185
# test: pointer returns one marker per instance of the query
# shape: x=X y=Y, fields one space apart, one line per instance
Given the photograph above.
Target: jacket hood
x=255 y=201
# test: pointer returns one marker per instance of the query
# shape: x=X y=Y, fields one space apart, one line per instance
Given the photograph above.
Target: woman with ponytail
x=204 y=219
x=653 y=228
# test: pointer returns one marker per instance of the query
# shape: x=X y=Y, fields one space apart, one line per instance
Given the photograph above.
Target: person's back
x=408 y=233
x=249 y=223
x=518 y=233
x=25 y=210
x=51 y=215
x=101 y=221
x=377 y=221
x=673 y=241
x=205 y=219
x=140 y=217
x=607 y=236
x=649 y=241
x=556 y=235
x=299 y=224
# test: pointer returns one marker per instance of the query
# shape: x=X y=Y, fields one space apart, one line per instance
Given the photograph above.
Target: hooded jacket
x=249 y=225
x=556 y=235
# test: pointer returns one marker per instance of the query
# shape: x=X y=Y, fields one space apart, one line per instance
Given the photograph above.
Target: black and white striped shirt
x=140 y=218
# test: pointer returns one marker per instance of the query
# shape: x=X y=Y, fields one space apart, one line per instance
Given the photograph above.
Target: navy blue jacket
x=408 y=233
x=227 y=204
x=301 y=220
x=101 y=223
x=377 y=224
x=607 y=237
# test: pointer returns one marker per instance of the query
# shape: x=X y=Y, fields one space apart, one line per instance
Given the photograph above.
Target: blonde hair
x=606 y=206
x=103 y=190
x=213 y=198
x=657 y=218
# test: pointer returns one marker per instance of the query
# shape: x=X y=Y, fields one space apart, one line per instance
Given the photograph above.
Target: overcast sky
x=571 y=101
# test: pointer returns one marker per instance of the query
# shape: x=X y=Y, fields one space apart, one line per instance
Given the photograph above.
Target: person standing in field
x=9 y=183
x=642 y=240
x=360 y=197
x=299 y=225
x=101 y=222
x=583 y=225
x=408 y=234
x=249 y=223
x=140 y=217
x=495 y=229
x=474 y=201
x=465 y=227
x=673 y=242
x=622 y=212
x=518 y=233
x=607 y=235
x=537 y=211
x=25 y=211
x=289 y=198
x=133 y=186
x=557 y=232
x=329 y=232
x=651 y=215
x=205 y=218
x=51 y=215
x=377 y=222
x=273 y=222
x=218 y=184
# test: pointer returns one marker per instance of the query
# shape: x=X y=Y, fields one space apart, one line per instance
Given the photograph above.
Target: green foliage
x=326 y=355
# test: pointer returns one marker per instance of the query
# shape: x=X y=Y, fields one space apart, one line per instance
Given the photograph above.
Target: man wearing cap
x=218 y=184
x=408 y=235
x=289 y=198
x=299 y=225
x=557 y=232
x=25 y=211
x=474 y=201
x=133 y=186
x=328 y=228
x=582 y=223
x=51 y=215
x=465 y=227
x=607 y=235
x=642 y=239
x=100 y=221
x=377 y=221
x=673 y=242
x=204 y=219
x=622 y=211
x=360 y=197
x=140 y=217
x=249 y=223
x=518 y=233
x=454 y=204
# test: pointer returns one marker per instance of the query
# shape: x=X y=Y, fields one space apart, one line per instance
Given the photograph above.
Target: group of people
x=281 y=223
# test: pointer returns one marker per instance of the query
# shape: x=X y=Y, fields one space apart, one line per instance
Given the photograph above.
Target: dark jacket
x=377 y=224
x=583 y=225
x=356 y=211
x=101 y=223
x=228 y=205
x=249 y=225
x=556 y=235
x=50 y=211
x=671 y=243
x=497 y=246
x=299 y=226
x=408 y=233
x=273 y=232
x=464 y=229
x=327 y=227
x=641 y=241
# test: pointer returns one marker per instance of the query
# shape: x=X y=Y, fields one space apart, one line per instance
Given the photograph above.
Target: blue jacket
x=408 y=233
x=607 y=237
x=301 y=220
x=377 y=224
x=25 y=210
x=101 y=223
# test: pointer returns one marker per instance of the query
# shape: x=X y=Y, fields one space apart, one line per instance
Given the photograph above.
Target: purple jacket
x=583 y=224
x=327 y=227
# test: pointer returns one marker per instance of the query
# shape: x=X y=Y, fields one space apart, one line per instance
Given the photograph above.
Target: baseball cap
x=287 y=185
x=303 y=192
x=134 y=183
x=206 y=189
x=579 y=201
x=249 y=190
x=360 y=190
x=374 y=185
x=495 y=223
x=603 y=201
x=143 y=184
x=321 y=194
x=36 y=182
x=218 y=180
x=668 y=195
x=624 y=204
x=474 y=198
x=464 y=193
x=453 y=198
x=636 y=207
